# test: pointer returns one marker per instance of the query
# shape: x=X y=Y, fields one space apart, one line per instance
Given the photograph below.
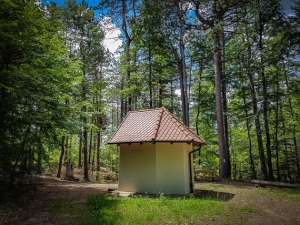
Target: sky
x=287 y=6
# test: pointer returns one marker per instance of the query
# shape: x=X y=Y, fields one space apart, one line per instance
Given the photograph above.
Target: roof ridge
x=144 y=110
x=157 y=124
x=182 y=126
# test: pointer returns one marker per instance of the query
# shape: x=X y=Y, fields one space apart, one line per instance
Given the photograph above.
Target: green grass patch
x=291 y=194
x=213 y=186
x=73 y=211
x=147 y=210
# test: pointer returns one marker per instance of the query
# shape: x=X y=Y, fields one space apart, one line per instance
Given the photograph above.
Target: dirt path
x=50 y=191
x=261 y=206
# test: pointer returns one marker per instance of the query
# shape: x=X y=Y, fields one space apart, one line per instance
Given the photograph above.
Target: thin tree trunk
x=127 y=53
x=276 y=129
x=183 y=85
x=85 y=154
x=160 y=92
x=12 y=175
x=80 y=151
x=39 y=163
x=257 y=124
x=285 y=151
x=61 y=156
x=90 y=146
x=252 y=166
x=30 y=159
x=291 y=110
x=66 y=149
x=150 y=77
x=98 y=149
x=199 y=103
x=258 y=130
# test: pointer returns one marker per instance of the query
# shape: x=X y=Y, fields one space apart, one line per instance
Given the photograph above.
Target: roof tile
x=153 y=125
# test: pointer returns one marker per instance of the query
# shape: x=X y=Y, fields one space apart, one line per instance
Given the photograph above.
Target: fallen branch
x=275 y=184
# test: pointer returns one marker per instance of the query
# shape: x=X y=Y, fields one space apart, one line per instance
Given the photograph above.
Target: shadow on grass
x=200 y=194
x=103 y=210
x=218 y=195
x=115 y=209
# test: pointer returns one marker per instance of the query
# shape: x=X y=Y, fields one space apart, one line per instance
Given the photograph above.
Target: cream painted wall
x=172 y=168
x=137 y=168
x=155 y=168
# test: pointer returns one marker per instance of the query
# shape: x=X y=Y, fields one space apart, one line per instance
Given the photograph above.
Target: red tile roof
x=153 y=125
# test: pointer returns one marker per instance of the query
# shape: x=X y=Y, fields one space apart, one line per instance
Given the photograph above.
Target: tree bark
x=265 y=105
x=252 y=166
x=258 y=129
x=66 y=148
x=223 y=154
x=80 y=150
x=224 y=103
x=61 y=156
x=85 y=154
x=90 y=146
x=98 y=149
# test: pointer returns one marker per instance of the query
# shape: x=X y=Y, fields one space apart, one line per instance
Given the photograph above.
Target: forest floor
x=268 y=206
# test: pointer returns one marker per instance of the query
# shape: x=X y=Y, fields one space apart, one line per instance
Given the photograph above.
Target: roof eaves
x=155 y=141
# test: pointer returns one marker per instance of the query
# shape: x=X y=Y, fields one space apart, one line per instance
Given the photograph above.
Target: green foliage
x=37 y=78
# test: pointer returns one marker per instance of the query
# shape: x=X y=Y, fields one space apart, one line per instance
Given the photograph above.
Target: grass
x=291 y=194
x=136 y=209
x=146 y=210
x=210 y=208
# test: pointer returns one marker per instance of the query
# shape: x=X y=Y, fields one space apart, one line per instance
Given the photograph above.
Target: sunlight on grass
x=213 y=186
x=291 y=194
x=160 y=209
x=146 y=210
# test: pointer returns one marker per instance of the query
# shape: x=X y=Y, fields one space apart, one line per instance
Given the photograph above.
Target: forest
x=229 y=70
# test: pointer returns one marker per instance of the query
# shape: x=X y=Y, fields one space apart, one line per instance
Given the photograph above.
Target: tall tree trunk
x=39 y=163
x=98 y=149
x=90 y=146
x=183 y=85
x=258 y=129
x=199 y=102
x=61 y=156
x=252 y=166
x=85 y=154
x=160 y=92
x=257 y=124
x=30 y=159
x=276 y=128
x=66 y=148
x=127 y=53
x=265 y=105
x=291 y=110
x=224 y=101
x=223 y=154
x=80 y=150
x=285 y=148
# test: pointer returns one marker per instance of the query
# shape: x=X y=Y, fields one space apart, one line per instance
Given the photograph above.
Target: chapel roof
x=153 y=125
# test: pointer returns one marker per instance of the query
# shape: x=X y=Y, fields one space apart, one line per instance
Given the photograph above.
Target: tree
x=36 y=79
x=219 y=15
